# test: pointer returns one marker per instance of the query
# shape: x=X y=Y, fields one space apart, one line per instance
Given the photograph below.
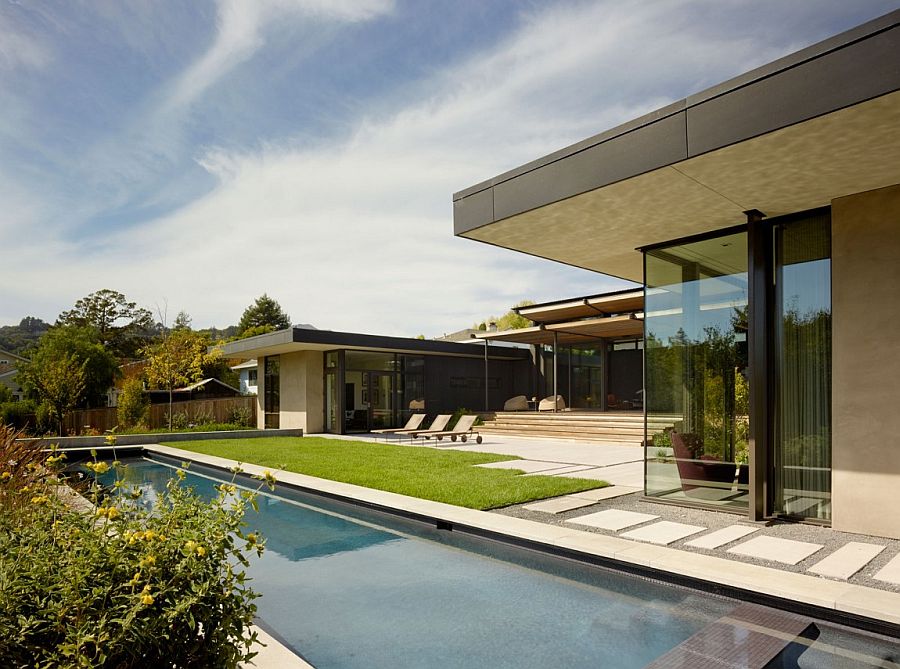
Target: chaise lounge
x=414 y=423
x=463 y=429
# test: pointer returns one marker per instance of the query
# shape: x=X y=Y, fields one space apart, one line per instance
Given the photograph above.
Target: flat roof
x=791 y=135
x=292 y=340
x=604 y=304
x=572 y=332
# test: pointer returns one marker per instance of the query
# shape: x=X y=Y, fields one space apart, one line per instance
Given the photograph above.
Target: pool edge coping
x=817 y=593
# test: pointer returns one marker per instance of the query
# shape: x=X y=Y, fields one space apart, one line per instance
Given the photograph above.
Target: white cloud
x=357 y=235
x=240 y=28
x=19 y=49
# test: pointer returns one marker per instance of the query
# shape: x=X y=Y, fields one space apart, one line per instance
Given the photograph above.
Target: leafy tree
x=21 y=338
x=121 y=325
x=81 y=343
x=5 y=395
x=59 y=380
x=133 y=404
x=256 y=330
x=510 y=320
x=264 y=311
x=177 y=360
x=182 y=321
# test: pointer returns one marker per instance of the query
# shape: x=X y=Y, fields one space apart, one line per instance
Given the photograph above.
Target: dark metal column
x=758 y=347
x=555 y=371
x=604 y=375
x=487 y=406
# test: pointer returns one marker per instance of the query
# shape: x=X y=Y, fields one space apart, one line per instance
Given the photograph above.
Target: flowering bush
x=120 y=586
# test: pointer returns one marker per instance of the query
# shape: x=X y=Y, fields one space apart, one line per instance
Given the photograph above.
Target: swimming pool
x=349 y=587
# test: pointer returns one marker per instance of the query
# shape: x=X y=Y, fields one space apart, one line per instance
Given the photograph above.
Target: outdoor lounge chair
x=414 y=423
x=552 y=403
x=517 y=403
x=463 y=429
x=439 y=424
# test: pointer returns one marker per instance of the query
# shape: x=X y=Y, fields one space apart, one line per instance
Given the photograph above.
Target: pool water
x=347 y=587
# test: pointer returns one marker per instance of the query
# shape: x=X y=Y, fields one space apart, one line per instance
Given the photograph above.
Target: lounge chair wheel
x=463 y=437
x=478 y=439
x=453 y=437
x=440 y=438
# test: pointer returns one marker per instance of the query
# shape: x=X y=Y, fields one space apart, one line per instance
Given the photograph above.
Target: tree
x=81 y=343
x=510 y=320
x=264 y=311
x=178 y=359
x=121 y=325
x=133 y=404
x=21 y=338
x=59 y=381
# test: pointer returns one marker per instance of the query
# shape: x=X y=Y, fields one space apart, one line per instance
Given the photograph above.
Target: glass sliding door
x=801 y=455
x=381 y=400
x=695 y=367
x=272 y=392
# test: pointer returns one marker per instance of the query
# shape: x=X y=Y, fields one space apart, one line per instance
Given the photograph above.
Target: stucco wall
x=302 y=393
x=866 y=362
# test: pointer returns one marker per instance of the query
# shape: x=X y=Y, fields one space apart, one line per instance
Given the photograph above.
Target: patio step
x=752 y=636
x=590 y=426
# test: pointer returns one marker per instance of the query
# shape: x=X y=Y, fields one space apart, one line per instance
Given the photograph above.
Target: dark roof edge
x=553 y=303
x=828 y=45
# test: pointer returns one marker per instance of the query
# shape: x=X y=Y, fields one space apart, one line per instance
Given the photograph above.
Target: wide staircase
x=621 y=427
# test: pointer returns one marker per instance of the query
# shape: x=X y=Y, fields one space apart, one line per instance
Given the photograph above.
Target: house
x=207 y=389
x=762 y=217
x=247 y=376
x=9 y=365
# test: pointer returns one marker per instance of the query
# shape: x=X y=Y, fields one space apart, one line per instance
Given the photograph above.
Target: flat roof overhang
x=792 y=135
x=574 y=332
x=293 y=340
x=606 y=304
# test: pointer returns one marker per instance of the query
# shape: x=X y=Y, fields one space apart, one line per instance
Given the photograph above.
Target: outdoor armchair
x=517 y=403
x=552 y=403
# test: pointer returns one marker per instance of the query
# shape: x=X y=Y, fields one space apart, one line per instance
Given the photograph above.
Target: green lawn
x=443 y=476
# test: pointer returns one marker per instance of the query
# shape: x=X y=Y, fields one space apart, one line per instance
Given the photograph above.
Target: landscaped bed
x=442 y=476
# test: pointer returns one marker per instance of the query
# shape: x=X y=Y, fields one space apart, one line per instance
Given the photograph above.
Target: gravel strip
x=831 y=539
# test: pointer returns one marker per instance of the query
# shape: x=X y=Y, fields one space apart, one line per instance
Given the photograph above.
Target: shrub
x=242 y=416
x=202 y=416
x=134 y=404
x=18 y=414
x=122 y=587
x=179 y=420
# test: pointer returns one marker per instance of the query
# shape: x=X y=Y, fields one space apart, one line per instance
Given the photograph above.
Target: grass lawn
x=443 y=476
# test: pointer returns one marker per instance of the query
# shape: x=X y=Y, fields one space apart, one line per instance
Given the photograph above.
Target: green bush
x=241 y=416
x=123 y=587
x=134 y=404
x=18 y=414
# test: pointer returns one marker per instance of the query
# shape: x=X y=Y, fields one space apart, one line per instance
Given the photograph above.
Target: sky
x=194 y=155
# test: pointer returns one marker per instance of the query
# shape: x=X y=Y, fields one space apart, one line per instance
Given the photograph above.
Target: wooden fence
x=222 y=410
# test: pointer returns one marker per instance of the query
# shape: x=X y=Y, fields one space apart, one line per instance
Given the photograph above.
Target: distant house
x=9 y=368
x=207 y=389
x=248 y=377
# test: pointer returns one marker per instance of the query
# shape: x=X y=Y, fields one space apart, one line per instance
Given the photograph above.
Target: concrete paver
x=562 y=471
x=663 y=533
x=613 y=519
x=776 y=549
x=721 y=537
x=609 y=492
x=890 y=573
x=560 y=504
x=846 y=560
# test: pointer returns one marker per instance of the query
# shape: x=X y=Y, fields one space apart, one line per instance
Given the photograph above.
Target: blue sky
x=197 y=154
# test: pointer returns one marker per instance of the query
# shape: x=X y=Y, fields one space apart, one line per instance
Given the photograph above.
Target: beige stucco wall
x=260 y=393
x=302 y=393
x=866 y=362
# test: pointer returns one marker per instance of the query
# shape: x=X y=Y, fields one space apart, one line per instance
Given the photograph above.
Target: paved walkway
x=620 y=510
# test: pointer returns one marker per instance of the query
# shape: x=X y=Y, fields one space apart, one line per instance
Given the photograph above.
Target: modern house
x=762 y=217
x=345 y=382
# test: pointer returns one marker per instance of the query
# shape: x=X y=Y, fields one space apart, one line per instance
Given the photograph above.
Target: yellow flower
x=201 y=551
x=136 y=578
x=148 y=561
x=98 y=467
x=101 y=511
x=40 y=499
x=147 y=600
x=138 y=535
x=149 y=535
x=5 y=475
x=113 y=513
x=251 y=538
x=191 y=546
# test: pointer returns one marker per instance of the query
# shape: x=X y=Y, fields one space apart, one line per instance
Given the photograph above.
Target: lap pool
x=348 y=587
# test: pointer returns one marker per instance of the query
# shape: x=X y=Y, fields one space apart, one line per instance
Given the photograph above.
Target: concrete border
x=845 y=603
x=145 y=439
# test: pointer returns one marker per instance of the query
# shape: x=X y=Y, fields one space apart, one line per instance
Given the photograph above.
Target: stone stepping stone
x=527 y=466
x=890 y=573
x=775 y=549
x=609 y=492
x=561 y=471
x=613 y=519
x=663 y=532
x=847 y=560
x=559 y=504
x=721 y=537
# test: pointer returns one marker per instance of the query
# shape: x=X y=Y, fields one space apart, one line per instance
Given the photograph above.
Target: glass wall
x=332 y=397
x=271 y=390
x=697 y=394
x=802 y=361
x=381 y=390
